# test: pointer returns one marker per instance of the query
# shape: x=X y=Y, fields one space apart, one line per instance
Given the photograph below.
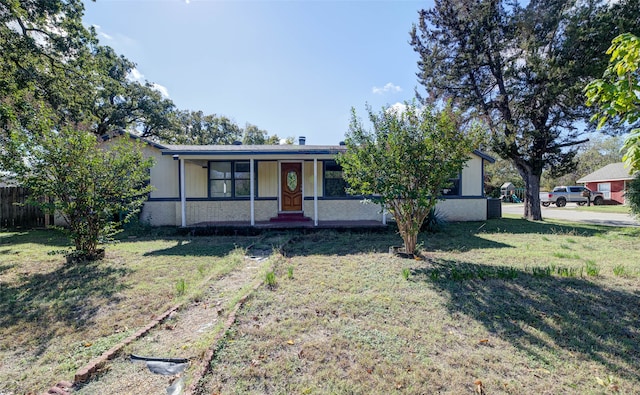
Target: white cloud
x=135 y=75
x=397 y=108
x=162 y=89
x=102 y=34
x=389 y=87
x=115 y=40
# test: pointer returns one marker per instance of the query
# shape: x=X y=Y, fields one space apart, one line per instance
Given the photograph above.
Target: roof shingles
x=610 y=172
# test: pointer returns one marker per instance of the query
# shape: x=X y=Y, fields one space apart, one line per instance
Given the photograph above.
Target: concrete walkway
x=570 y=213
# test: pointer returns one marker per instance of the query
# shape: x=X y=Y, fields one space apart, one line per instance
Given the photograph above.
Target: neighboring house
x=259 y=185
x=611 y=180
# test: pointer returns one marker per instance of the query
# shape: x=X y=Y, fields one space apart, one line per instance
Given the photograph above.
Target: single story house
x=259 y=185
x=611 y=180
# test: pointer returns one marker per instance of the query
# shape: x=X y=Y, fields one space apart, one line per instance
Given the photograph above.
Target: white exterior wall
x=196 y=180
x=463 y=209
x=169 y=213
x=344 y=210
x=164 y=175
x=472 y=182
x=267 y=179
x=160 y=213
x=308 y=179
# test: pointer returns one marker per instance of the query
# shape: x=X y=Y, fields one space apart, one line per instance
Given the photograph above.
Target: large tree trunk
x=532 y=208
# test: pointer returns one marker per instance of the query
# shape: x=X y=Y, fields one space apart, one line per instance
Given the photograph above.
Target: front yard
x=512 y=306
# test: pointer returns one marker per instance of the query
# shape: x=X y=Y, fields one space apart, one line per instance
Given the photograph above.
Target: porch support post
x=315 y=191
x=252 y=192
x=183 y=195
x=384 y=215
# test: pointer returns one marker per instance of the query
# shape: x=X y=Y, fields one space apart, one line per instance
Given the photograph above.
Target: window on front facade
x=334 y=184
x=242 y=182
x=453 y=189
x=229 y=179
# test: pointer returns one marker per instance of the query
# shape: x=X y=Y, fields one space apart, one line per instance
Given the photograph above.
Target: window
x=242 y=181
x=334 y=184
x=229 y=179
x=605 y=188
x=453 y=189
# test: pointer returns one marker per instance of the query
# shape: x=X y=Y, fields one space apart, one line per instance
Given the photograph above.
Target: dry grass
x=539 y=308
x=524 y=308
x=55 y=317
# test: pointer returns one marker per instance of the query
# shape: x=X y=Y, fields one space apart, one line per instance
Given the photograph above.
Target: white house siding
x=308 y=178
x=207 y=211
x=344 y=210
x=463 y=209
x=472 y=183
x=267 y=179
x=196 y=180
x=164 y=175
x=160 y=213
x=265 y=209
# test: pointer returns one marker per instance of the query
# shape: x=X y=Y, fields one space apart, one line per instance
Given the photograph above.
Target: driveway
x=570 y=213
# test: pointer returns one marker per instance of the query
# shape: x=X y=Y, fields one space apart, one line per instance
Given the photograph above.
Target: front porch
x=353 y=224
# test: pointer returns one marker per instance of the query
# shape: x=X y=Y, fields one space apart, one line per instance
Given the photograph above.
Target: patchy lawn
x=514 y=306
x=55 y=317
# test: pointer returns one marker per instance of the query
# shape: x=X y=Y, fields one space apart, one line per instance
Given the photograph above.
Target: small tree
x=406 y=161
x=95 y=189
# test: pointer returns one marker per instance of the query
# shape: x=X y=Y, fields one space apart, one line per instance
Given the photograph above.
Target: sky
x=292 y=68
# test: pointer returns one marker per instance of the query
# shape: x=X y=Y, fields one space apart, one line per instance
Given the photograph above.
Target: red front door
x=291 y=186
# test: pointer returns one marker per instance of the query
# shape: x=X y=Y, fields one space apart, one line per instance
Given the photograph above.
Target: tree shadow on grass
x=343 y=243
x=203 y=246
x=453 y=236
x=48 y=237
x=542 y=313
x=520 y=226
x=70 y=295
x=4 y=268
x=465 y=236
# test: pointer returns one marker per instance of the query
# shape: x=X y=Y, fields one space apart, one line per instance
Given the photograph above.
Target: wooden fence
x=14 y=215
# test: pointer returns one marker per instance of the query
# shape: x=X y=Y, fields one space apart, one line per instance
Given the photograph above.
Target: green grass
x=56 y=317
x=490 y=303
x=619 y=209
x=524 y=307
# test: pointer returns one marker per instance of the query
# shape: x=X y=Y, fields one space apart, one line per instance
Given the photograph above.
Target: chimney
x=302 y=140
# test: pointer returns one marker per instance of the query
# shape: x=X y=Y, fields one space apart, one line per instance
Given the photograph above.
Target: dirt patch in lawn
x=187 y=333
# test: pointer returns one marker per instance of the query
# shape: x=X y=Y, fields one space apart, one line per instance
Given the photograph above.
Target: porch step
x=290 y=217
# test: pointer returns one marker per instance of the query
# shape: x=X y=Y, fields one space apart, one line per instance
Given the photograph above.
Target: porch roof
x=261 y=150
x=250 y=150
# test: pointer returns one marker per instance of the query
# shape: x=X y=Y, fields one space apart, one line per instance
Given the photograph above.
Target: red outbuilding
x=611 y=180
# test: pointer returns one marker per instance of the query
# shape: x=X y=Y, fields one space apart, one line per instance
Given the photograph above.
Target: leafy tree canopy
x=520 y=69
x=194 y=127
x=406 y=160
x=617 y=94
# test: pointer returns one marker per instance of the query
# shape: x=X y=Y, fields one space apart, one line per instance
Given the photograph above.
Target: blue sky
x=293 y=68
